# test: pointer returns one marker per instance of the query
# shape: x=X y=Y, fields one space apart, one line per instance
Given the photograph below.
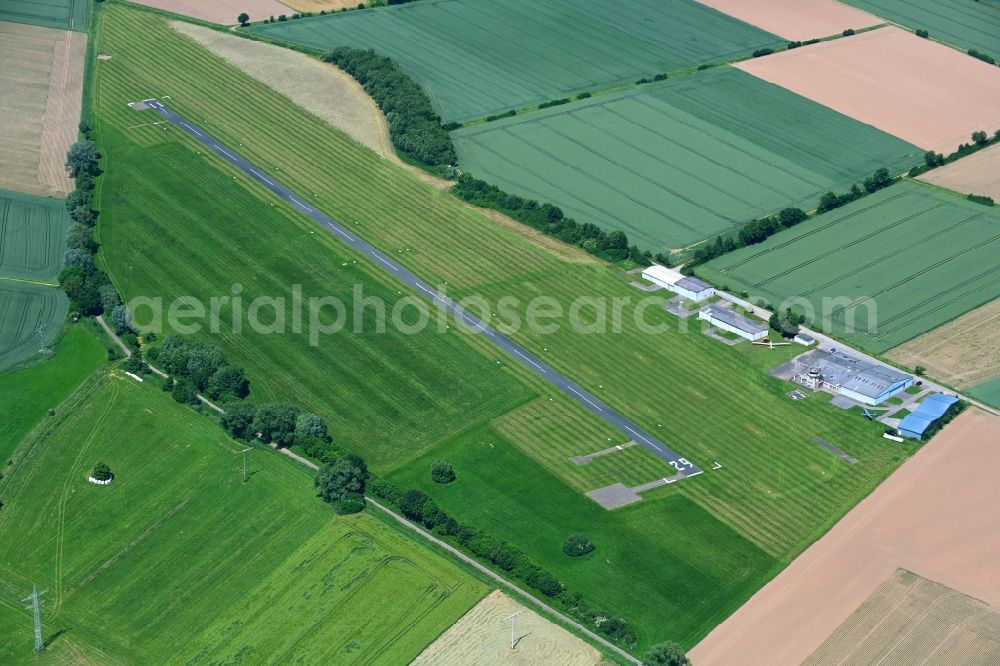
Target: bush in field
x=923 y=33
x=442 y=472
x=101 y=472
x=578 y=545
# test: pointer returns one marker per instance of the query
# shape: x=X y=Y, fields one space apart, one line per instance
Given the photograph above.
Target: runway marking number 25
x=681 y=465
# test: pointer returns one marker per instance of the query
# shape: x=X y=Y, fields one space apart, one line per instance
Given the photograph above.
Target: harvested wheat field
x=978 y=173
x=909 y=619
x=321 y=5
x=220 y=11
x=319 y=88
x=916 y=89
x=794 y=19
x=962 y=353
x=42 y=84
x=937 y=516
x=483 y=637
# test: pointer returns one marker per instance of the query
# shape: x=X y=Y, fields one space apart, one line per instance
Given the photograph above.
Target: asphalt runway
x=518 y=353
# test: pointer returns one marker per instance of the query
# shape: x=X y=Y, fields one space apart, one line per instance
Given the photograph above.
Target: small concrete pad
x=139 y=106
x=614 y=496
x=659 y=482
x=646 y=286
x=835 y=451
x=583 y=460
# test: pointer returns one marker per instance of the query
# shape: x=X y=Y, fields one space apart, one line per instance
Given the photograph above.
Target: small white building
x=727 y=320
x=690 y=288
x=805 y=339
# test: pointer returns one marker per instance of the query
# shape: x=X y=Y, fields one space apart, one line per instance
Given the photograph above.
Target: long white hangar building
x=690 y=288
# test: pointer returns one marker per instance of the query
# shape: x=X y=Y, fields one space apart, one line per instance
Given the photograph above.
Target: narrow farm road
x=586 y=399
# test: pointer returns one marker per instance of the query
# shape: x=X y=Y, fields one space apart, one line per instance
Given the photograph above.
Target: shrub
x=578 y=545
x=979 y=199
x=238 y=419
x=982 y=56
x=923 y=33
x=349 y=503
x=442 y=472
x=584 y=95
x=661 y=77
x=848 y=32
x=762 y=52
x=666 y=654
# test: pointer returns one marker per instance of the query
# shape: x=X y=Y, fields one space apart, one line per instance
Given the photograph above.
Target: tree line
x=89 y=289
x=609 y=245
x=413 y=124
x=759 y=230
x=932 y=159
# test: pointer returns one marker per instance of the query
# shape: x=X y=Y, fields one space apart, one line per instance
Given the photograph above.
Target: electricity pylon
x=35 y=606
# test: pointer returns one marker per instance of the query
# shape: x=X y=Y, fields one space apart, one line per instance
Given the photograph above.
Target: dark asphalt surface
x=533 y=363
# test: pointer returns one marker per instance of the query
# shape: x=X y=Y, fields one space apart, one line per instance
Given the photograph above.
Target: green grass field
x=648 y=555
x=675 y=162
x=922 y=255
x=29 y=393
x=776 y=489
x=988 y=392
x=242 y=573
x=970 y=24
x=32 y=243
x=389 y=395
x=25 y=310
x=32 y=236
x=477 y=59
x=65 y=14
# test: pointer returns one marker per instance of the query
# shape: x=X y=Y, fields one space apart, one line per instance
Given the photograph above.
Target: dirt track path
x=938 y=516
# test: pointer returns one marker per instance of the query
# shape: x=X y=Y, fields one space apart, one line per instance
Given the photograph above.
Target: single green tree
x=666 y=654
x=276 y=423
x=102 y=472
x=238 y=420
x=343 y=476
x=442 y=472
x=243 y=19
x=82 y=159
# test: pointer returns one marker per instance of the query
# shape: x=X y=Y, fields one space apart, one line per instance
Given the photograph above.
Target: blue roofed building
x=933 y=407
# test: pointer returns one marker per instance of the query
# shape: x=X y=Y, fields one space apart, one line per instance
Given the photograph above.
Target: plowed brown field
x=976 y=174
x=221 y=11
x=916 y=89
x=938 y=516
x=795 y=19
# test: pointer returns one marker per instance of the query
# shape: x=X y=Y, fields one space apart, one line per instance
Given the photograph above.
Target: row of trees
x=89 y=289
x=415 y=127
x=610 y=245
x=197 y=368
x=759 y=230
x=933 y=159
x=751 y=233
x=421 y=508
